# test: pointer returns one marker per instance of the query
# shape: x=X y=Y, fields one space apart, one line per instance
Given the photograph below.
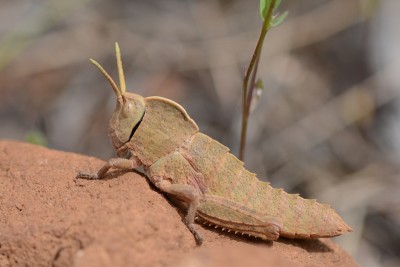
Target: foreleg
x=116 y=163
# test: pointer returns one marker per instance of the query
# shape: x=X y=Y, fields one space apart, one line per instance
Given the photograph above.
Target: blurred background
x=327 y=125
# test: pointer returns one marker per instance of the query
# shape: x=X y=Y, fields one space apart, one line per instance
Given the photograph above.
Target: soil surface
x=48 y=218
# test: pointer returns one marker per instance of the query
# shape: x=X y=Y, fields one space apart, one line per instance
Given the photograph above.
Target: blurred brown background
x=328 y=123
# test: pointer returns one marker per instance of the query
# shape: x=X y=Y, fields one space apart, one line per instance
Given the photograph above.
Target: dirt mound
x=47 y=218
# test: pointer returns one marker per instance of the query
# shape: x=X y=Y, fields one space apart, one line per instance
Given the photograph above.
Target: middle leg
x=173 y=175
x=188 y=194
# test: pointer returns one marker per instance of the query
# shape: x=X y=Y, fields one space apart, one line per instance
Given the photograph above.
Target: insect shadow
x=310 y=245
x=113 y=174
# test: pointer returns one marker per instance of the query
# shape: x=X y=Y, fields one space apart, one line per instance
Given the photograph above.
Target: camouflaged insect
x=196 y=170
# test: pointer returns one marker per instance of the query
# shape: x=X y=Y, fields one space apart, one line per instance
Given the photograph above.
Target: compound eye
x=127 y=109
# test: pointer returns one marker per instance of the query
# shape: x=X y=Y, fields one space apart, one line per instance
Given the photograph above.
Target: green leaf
x=264 y=6
x=277 y=4
x=259 y=84
x=277 y=20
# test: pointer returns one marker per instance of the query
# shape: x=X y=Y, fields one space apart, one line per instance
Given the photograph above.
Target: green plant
x=271 y=19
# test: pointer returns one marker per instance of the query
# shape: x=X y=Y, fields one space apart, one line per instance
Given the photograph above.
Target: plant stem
x=252 y=85
x=253 y=65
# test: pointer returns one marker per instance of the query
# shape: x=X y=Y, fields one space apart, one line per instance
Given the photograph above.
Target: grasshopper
x=199 y=172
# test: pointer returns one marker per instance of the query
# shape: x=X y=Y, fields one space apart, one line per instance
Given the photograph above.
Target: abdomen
x=225 y=176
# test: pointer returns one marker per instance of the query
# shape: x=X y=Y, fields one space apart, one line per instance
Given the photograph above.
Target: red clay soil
x=48 y=218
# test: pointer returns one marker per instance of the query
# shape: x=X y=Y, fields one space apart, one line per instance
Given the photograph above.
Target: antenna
x=108 y=77
x=122 y=84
